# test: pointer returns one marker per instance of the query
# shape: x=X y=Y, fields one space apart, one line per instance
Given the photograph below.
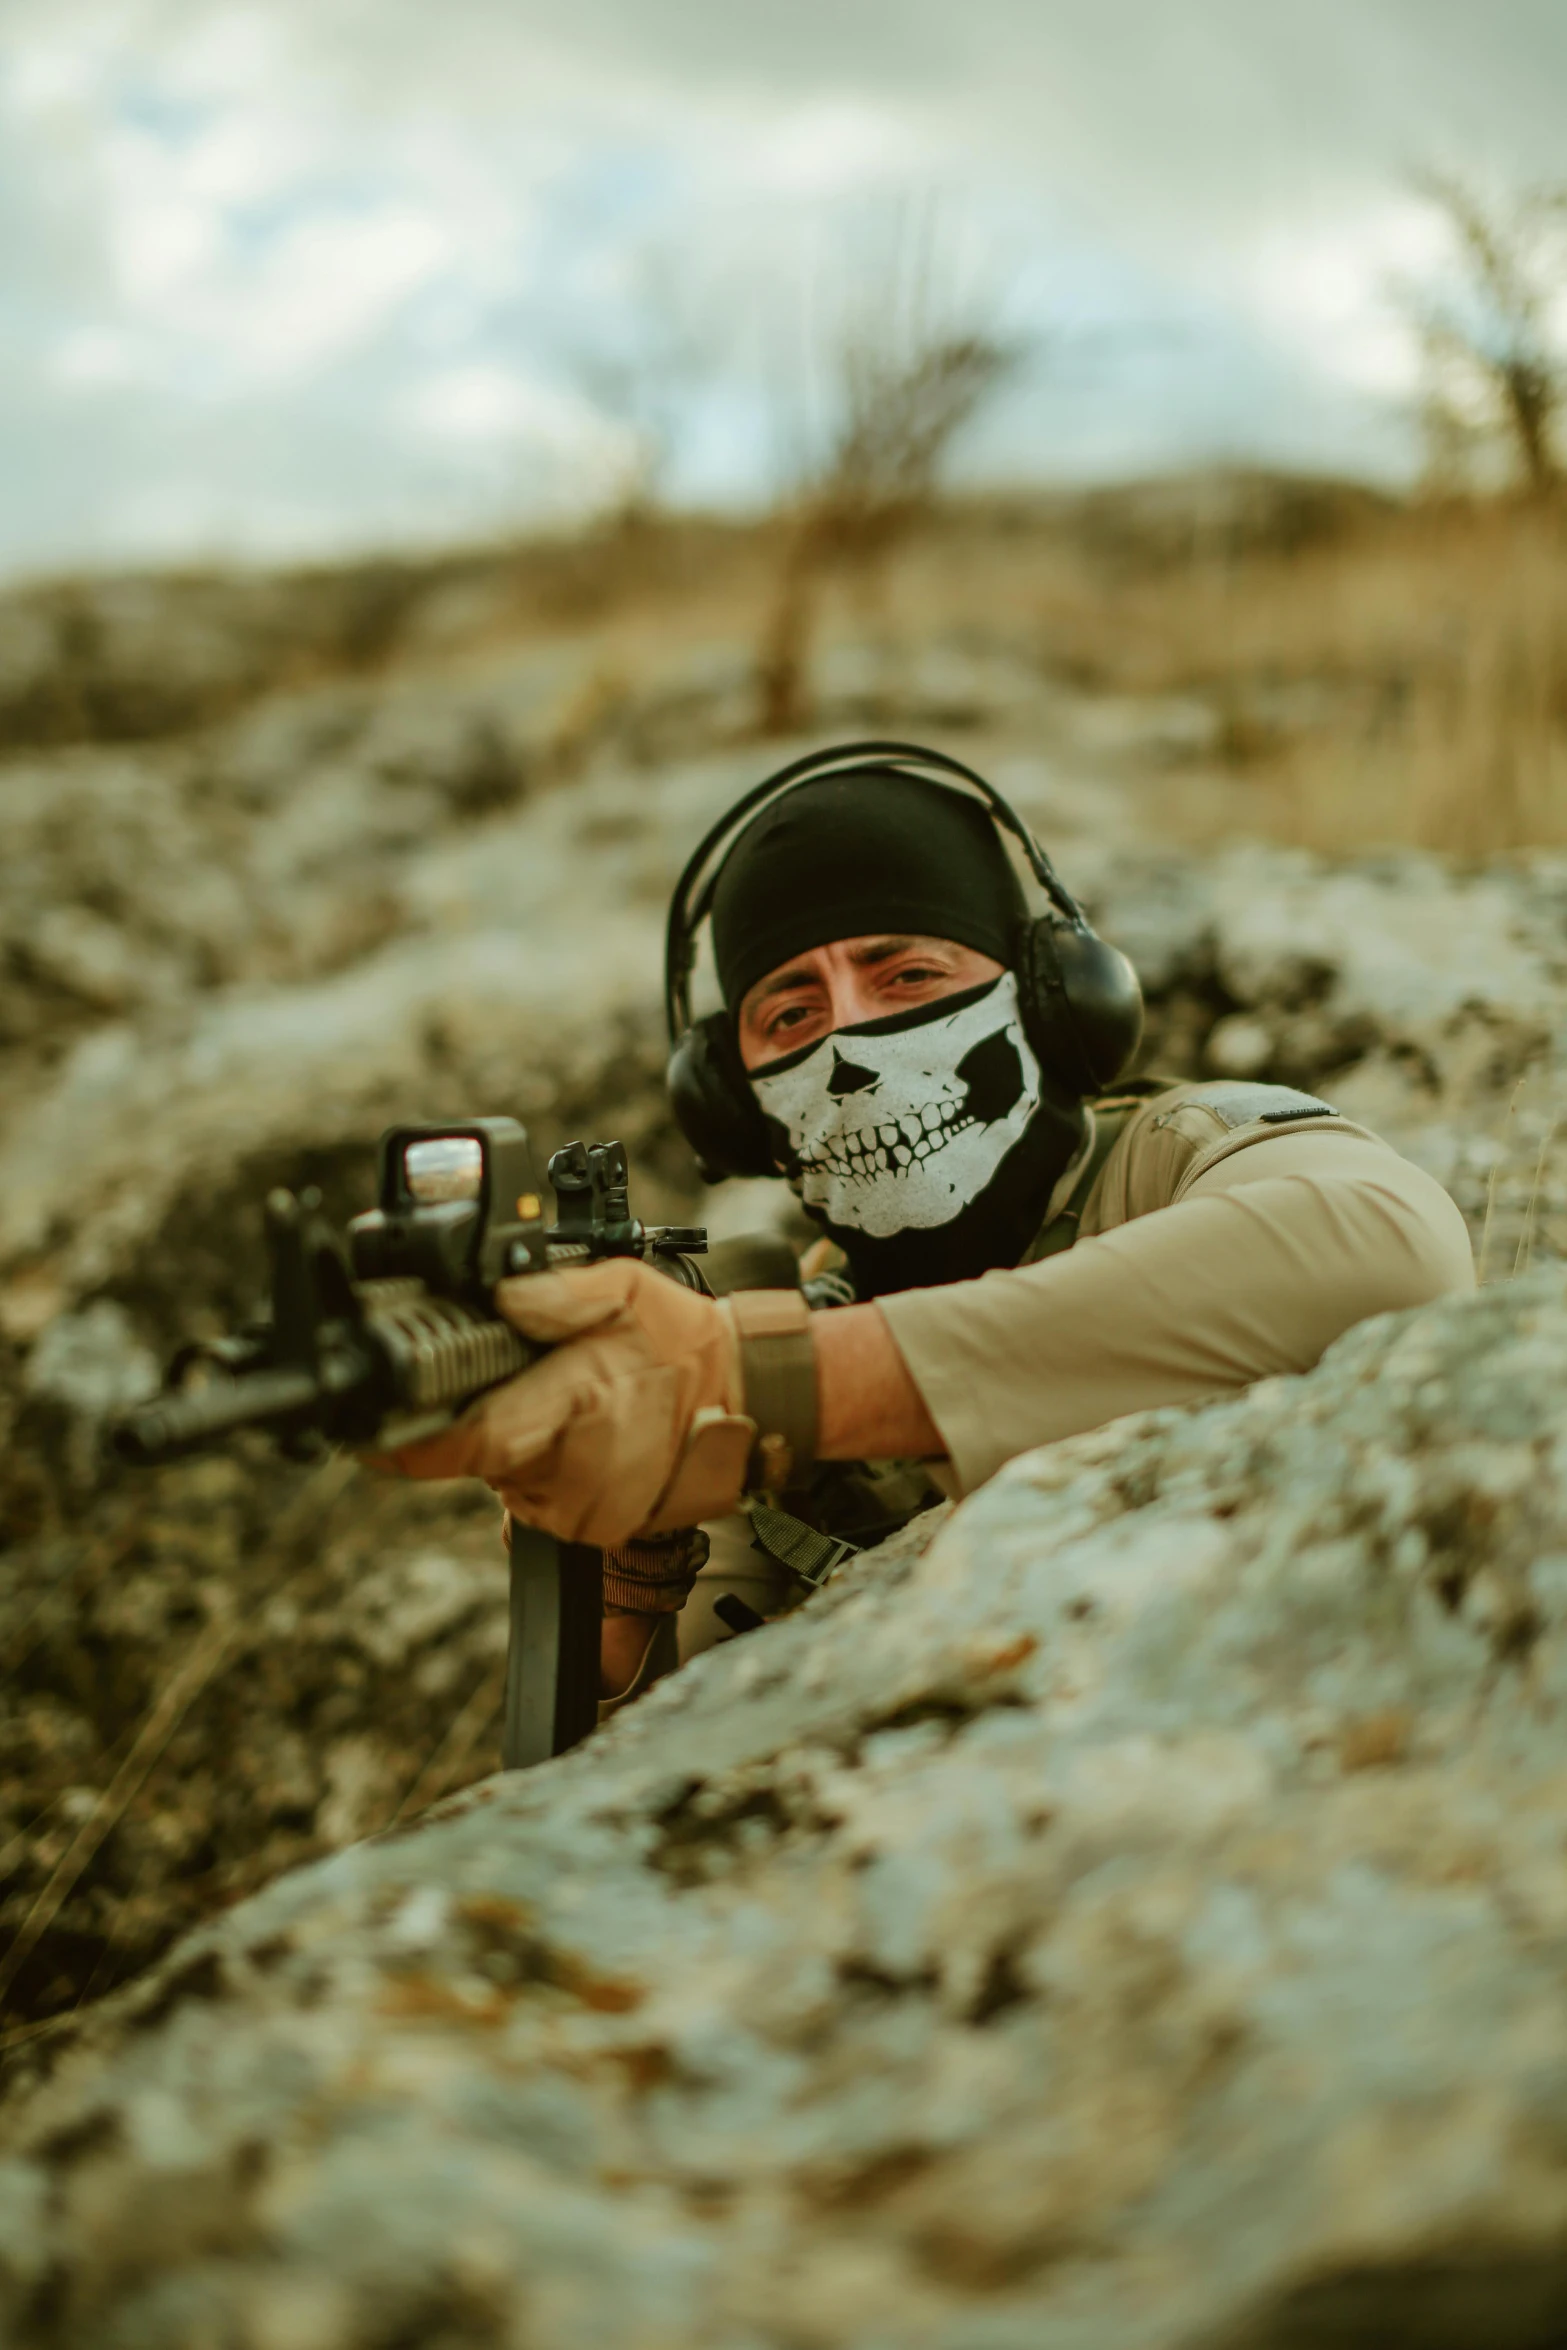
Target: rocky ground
x=279 y=863
x=1138 y=1921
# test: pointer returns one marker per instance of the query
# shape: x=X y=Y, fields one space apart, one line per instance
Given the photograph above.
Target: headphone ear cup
x=714 y=1106
x=1082 y=1003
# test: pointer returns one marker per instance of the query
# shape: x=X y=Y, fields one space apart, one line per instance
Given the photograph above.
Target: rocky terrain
x=1137 y=1919
x=281 y=861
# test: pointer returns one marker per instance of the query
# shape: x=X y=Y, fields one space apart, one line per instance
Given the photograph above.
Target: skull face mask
x=899 y=1125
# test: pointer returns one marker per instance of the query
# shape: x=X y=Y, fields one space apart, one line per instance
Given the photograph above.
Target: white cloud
x=367 y=266
x=1328 y=289
x=326 y=287
x=832 y=147
x=489 y=404
x=91 y=359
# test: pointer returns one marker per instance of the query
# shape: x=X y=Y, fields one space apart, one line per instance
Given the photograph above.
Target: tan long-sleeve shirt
x=1217 y=1246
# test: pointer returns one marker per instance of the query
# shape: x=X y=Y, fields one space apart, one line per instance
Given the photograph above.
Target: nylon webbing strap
x=800 y=1548
x=778 y=1373
x=1061 y=1231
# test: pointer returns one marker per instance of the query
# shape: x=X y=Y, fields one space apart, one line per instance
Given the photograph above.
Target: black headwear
x=1081 y=1004
x=848 y=855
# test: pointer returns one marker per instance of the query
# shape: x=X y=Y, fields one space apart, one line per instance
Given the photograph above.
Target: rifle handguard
x=778 y=1378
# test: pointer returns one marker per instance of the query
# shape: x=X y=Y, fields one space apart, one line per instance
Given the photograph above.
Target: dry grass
x=1525 y=1221
x=1376 y=674
x=1439 y=650
x=1371 y=674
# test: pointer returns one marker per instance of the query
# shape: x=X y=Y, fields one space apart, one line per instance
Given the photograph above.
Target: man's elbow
x=1350 y=1250
x=1406 y=1250
x=1435 y=1260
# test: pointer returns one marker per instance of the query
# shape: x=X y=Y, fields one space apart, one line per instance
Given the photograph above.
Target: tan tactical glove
x=632 y=1425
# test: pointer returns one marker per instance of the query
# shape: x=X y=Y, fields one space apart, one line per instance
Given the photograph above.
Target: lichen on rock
x=1131 y=1912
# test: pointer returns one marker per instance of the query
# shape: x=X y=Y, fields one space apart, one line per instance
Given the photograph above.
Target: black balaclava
x=927 y=1143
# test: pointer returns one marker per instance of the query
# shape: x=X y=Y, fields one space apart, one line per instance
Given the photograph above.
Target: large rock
x=526 y=953
x=1426 y=1001
x=1139 y=1920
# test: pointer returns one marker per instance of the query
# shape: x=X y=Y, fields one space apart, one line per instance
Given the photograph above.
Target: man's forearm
x=868 y=1407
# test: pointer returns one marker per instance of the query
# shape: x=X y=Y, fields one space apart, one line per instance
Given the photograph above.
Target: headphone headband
x=693 y=894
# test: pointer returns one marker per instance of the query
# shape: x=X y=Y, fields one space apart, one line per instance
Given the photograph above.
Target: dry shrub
x=1489 y=338
x=909 y=354
x=901 y=413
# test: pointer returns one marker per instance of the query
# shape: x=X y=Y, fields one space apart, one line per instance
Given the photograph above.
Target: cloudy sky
x=291 y=277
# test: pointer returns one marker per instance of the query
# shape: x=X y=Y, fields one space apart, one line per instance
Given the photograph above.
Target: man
x=1007 y=1260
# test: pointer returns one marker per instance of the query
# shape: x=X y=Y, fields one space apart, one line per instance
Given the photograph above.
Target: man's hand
x=633 y=1424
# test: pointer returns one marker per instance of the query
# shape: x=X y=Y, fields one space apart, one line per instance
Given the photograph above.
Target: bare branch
x=644 y=369
x=1490 y=341
x=909 y=372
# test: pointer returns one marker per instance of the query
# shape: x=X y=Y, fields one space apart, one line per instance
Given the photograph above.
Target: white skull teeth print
x=896 y=1127
x=897 y=1145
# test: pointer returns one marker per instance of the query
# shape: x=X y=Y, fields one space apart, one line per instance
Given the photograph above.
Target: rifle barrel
x=173 y=1424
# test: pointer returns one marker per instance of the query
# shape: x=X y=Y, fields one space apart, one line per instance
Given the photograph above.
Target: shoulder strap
x=1110 y=1120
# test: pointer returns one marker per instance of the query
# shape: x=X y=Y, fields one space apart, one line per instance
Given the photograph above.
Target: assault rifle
x=381 y=1336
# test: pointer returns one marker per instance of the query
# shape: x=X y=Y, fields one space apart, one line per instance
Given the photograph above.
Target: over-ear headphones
x=1081 y=1003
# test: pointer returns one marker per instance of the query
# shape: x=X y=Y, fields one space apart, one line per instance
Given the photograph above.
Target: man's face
x=895 y=1076
x=848 y=983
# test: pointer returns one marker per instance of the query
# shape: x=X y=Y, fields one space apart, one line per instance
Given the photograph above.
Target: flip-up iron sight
x=381 y=1336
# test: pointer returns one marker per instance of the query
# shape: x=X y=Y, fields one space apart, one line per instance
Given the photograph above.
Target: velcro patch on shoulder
x=1267 y=1105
